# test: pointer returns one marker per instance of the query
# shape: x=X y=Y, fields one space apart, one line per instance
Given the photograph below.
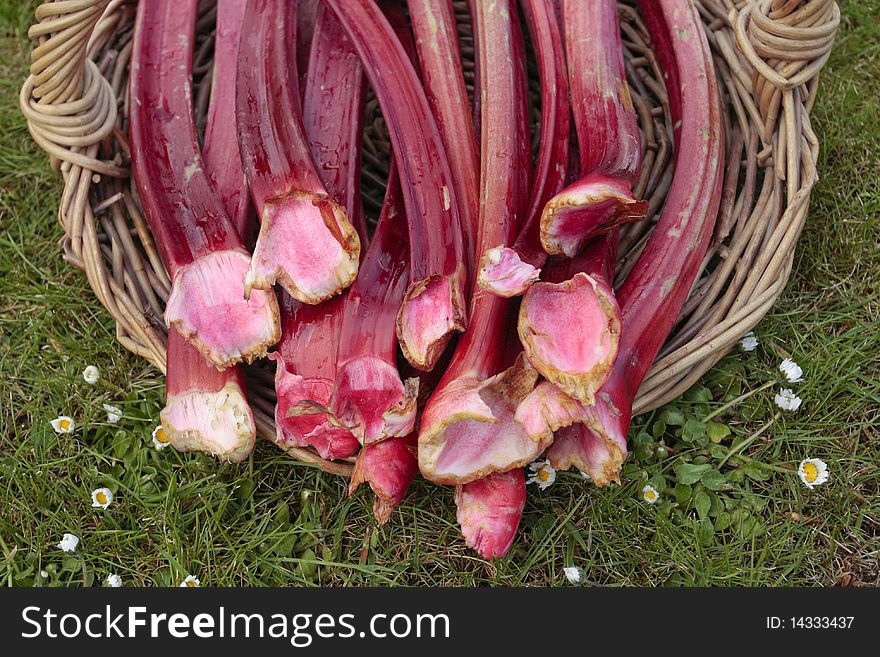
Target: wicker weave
x=767 y=53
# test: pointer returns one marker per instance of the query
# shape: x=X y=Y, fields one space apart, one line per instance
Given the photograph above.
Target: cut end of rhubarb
x=302 y=418
x=591 y=206
x=489 y=511
x=468 y=429
x=389 y=468
x=590 y=450
x=504 y=274
x=547 y=409
x=432 y=310
x=570 y=333
x=219 y=423
x=208 y=308
x=306 y=244
x=372 y=401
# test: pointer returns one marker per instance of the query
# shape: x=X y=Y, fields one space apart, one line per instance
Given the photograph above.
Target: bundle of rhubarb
x=481 y=320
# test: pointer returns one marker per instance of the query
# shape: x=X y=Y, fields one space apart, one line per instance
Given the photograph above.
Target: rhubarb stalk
x=436 y=35
x=306 y=242
x=197 y=241
x=489 y=511
x=207 y=410
x=370 y=399
x=433 y=307
x=467 y=428
x=509 y=271
x=655 y=291
x=607 y=130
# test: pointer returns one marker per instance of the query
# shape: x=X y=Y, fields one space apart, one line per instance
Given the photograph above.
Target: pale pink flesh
x=569 y=331
x=589 y=450
x=591 y=206
x=208 y=308
x=468 y=429
x=389 y=467
x=302 y=418
x=370 y=399
x=503 y=273
x=489 y=511
x=217 y=422
x=307 y=245
x=429 y=315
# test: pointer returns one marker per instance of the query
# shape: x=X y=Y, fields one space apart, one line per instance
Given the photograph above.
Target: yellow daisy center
x=161 y=436
x=811 y=472
x=101 y=497
x=191 y=584
x=650 y=494
x=64 y=424
x=543 y=475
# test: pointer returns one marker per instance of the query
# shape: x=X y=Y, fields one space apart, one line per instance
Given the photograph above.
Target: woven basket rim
x=767 y=53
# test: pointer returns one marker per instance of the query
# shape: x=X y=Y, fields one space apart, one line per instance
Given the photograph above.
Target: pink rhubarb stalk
x=196 y=238
x=207 y=410
x=655 y=291
x=607 y=130
x=509 y=271
x=433 y=307
x=370 y=399
x=436 y=35
x=467 y=428
x=389 y=467
x=306 y=242
x=489 y=511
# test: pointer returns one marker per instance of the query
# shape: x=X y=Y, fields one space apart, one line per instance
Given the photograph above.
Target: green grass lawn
x=271 y=521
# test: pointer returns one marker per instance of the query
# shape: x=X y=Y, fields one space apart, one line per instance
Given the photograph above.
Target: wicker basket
x=768 y=54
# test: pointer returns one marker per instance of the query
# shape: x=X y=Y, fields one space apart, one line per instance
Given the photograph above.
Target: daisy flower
x=91 y=374
x=650 y=494
x=101 y=498
x=543 y=474
x=44 y=574
x=191 y=582
x=114 y=414
x=813 y=472
x=63 y=424
x=114 y=581
x=160 y=438
x=69 y=542
x=572 y=574
x=787 y=400
x=749 y=342
x=792 y=371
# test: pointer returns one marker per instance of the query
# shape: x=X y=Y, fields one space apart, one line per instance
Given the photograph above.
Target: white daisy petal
x=91 y=374
x=160 y=438
x=114 y=581
x=63 y=424
x=585 y=475
x=572 y=574
x=44 y=574
x=190 y=581
x=813 y=472
x=787 y=400
x=543 y=474
x=101 y=498
x=69 y=543
x=791 y=370
x=650 y=494
x=749 y=342
x=114 y=414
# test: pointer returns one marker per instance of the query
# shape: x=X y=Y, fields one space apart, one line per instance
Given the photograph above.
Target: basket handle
x=69 y=105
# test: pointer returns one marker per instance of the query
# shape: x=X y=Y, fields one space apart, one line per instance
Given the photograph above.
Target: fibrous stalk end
x=503 y=273
x=432 y=310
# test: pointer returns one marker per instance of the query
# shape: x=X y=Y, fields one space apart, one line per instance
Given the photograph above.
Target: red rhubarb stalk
x=607 y=131
x=489 y=511
x=197 y=241
x=370 y=398
x=570 y=323
x=509 y=271
x=306 y=242
x=656 y=289
x=436 y=35
x=433 y=307
x=207 y=410
x=467 y=428
x=389 y=467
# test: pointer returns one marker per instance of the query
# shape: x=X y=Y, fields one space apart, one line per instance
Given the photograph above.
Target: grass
x=270 y=521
